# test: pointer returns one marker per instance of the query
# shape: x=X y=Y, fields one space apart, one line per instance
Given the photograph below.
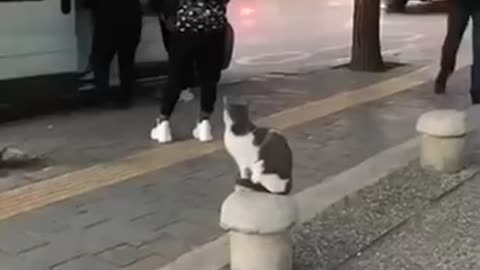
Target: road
x=292 y=36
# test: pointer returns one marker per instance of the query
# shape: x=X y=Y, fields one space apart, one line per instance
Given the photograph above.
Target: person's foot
x=203 y=131
x=161 y=132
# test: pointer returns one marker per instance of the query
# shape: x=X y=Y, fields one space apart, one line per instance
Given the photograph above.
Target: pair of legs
x=458 y=18
x=110 y=39
x=204 y=52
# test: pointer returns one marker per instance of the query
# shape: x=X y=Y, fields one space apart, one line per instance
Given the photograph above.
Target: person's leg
x=160 y=91
x=180 y=59
x=126 y=62
x=458 y=17
x=209 y=60
x=103 y=52
x=475 y=88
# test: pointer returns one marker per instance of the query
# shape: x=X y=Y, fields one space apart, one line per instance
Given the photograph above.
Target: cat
x=263 y=156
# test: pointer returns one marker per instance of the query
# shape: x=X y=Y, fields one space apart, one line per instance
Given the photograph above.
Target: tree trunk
x=366 y=49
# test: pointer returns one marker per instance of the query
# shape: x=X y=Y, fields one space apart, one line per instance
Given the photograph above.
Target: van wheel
x=395 y=5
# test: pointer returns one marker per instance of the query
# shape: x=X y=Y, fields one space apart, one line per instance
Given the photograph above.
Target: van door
x=37 y=37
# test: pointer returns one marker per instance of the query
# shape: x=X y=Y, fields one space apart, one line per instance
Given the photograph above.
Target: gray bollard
x=444 y=134
x=259 y=229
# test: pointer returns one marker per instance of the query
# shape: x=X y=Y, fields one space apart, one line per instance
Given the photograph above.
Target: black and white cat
x=263 y=156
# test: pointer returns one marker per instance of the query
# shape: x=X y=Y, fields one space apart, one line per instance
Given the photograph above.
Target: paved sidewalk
x=410 y=219
x=445 y=236
x=150 y=220
x=80 y=139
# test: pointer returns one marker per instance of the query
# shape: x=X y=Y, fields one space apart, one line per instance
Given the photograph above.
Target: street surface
x=118 y=201
x=281 y=35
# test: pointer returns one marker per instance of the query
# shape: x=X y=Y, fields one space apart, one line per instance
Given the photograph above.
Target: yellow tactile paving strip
x=75 y=183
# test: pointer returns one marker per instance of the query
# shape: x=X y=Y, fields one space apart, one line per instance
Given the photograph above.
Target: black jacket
x=168 y=8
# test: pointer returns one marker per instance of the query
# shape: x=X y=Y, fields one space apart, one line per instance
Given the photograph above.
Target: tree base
x=379 y=67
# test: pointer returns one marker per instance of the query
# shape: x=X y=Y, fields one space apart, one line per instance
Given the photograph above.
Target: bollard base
x=443 y=154
x=260 y=252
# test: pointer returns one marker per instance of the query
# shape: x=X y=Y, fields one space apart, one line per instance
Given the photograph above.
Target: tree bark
x=366 y=48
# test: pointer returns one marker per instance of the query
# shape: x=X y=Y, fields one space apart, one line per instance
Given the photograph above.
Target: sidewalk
x=410 y=219
x=67 y=141
x=167 y=204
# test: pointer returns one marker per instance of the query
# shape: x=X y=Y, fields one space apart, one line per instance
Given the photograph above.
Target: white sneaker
x=203 y=131
x=161 y=132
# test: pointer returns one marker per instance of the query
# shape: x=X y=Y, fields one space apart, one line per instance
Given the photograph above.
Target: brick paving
x=148 y=221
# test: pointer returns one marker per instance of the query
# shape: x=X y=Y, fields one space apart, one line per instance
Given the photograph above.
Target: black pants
x=189 y=77
x=205 y=50
x=458 y=18
x=110 y=39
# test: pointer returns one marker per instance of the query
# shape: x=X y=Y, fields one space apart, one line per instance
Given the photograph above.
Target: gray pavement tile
x=14 y=241
x=10 y=262
x=193 y=233
x=152 y=262
x=85 y=263
x=167 y=246
x=114 y=233
x=62 y=248
x=124 y=255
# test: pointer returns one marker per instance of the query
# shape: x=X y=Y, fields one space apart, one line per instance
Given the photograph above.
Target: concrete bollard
x=444 y=134
x=259 y=226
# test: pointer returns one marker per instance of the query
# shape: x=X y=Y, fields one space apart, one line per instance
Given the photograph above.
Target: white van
x=45 y=44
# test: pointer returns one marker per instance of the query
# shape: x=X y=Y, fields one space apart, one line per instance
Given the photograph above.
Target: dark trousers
x=121 y=39
x=188 y=79
x=458 y=18
x=205 y=50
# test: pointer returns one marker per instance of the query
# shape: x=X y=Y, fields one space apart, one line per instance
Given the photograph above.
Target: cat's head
x=236 y=115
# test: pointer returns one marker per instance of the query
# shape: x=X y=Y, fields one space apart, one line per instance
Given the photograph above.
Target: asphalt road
x=291 y=36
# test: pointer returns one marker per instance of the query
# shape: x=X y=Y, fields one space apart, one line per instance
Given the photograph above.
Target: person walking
x=197 y=38
x=117 y=31
x=459 y=14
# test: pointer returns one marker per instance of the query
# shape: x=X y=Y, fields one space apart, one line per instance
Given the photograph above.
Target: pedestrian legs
x=458 y=17
x=475 y=77
x=181 y=57
x=103 y=52
x=127 y=47
x=209 y=58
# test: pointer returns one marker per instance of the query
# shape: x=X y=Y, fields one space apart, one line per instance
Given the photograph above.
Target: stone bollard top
x=443 y=123
x=258 y=213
